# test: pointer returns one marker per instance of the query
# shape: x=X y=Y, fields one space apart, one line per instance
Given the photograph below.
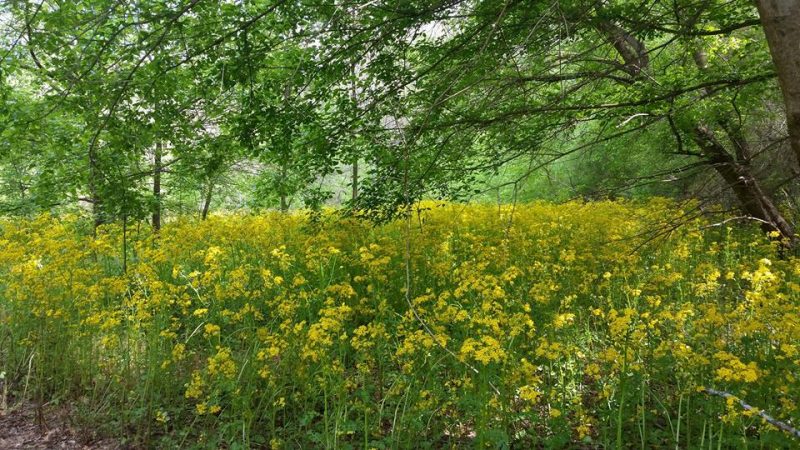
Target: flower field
x=482 y=326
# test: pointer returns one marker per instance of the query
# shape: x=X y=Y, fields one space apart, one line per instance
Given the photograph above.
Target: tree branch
x=783 y=426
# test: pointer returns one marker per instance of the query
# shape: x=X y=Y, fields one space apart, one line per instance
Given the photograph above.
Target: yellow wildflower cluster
x=533 y=325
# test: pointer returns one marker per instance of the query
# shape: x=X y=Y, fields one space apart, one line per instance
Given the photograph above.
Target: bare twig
x=733 y=219
x=783 y=426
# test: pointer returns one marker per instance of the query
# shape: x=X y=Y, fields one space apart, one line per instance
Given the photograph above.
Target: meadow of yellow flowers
x=533 y=325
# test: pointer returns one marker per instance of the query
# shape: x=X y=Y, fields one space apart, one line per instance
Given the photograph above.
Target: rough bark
x=633 y=51
x=157 y=187
x=781 y=22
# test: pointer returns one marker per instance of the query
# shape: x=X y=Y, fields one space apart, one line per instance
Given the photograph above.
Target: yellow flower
x=161 y=416
x=195 y=388
x=222 y=363
x=562 y=320
x=178 y=352
x=529 y=394
x=211 y=330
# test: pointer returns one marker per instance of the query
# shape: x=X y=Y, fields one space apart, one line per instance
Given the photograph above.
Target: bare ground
x=31 y=428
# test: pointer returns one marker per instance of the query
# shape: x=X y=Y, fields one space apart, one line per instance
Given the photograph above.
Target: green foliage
x=434 y=100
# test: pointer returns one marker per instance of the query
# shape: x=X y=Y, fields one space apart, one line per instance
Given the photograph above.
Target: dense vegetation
x=543 y=330
x=152 y=108
x=403 y=223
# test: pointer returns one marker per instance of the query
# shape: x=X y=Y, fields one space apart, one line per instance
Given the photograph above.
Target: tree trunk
x=781 y=21
x=632 y=50
x=354 y=97
x=207 y=200
x=157 y=188
x=284 y=204
x=282 y=195
x=752 y=199
x=125 y=244
x=355 y=179
x=97 y=212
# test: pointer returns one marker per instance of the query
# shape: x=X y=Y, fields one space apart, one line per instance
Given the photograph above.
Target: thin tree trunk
x=752 y=199
x=781 y=21
x=284 y=203
x=355 y=179
x=287 y=90
x=125 y=244
x=734 y=168
x=354 y=97
x=207 y=200
x=97 y=213
x=632 y=50
x=157 y=188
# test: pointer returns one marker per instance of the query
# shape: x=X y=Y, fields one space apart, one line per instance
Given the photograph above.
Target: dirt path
x=48 y=428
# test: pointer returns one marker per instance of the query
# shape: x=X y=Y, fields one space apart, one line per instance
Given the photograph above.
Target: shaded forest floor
x=31 y=428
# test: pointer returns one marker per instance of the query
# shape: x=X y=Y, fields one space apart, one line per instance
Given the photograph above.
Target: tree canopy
x=132 y=108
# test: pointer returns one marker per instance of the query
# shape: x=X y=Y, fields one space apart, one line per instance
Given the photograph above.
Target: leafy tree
x=434 y=98
x=501 y=82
